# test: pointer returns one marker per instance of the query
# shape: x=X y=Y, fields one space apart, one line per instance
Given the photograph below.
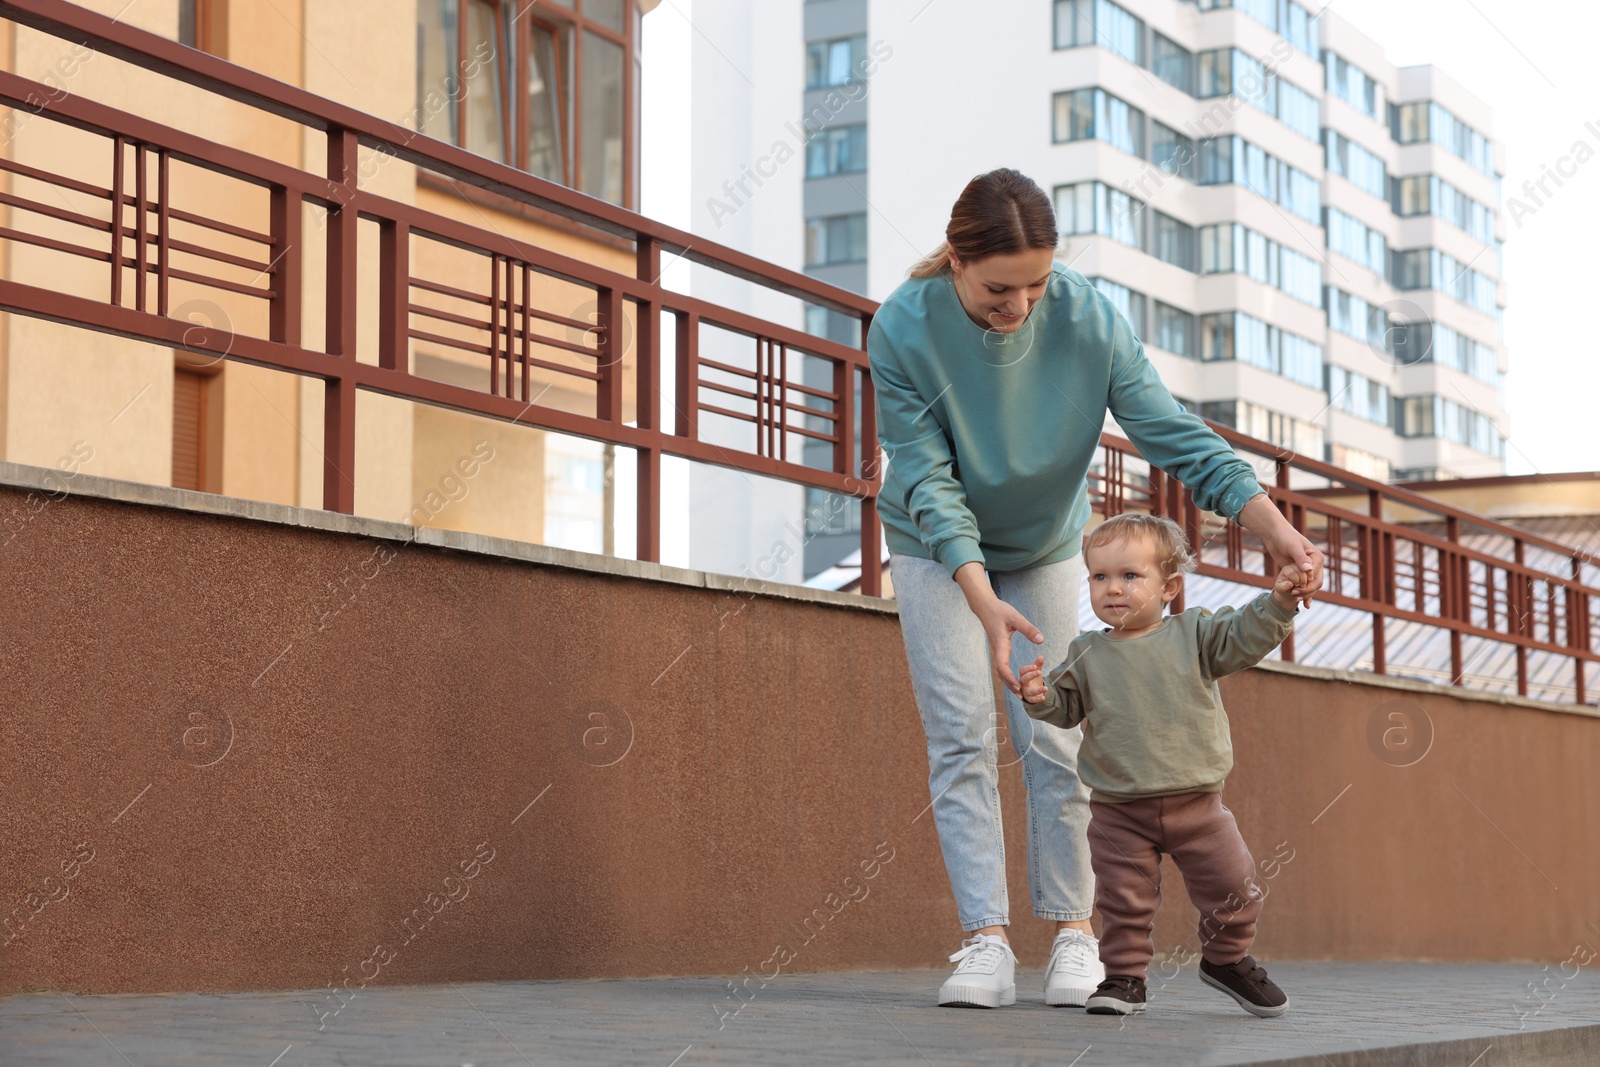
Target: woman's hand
x=1284 y=545
x=1000 y=620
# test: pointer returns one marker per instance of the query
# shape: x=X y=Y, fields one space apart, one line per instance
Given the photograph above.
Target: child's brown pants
x=1125 y=846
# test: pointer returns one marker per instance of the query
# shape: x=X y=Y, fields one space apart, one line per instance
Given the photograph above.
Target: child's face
x=1126 y=585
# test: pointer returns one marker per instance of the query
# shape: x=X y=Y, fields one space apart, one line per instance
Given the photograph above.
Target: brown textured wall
x=247 y=755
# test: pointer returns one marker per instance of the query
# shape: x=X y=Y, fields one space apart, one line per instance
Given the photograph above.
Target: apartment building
x=1306 y=237
x=552 y=91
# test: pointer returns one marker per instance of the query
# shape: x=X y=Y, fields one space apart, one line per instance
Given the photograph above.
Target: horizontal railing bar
x=483 y=350
x=220 y=257
x=9 y=234
x=61 y=214
x=220 y=226
x=51 y=178
x=219 y=283
x=1212 y=570
x=1393 y=493
x=515 y=333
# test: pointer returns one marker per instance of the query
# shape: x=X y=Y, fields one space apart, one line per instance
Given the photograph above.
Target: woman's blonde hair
x=997 y=214
x=1172 y=547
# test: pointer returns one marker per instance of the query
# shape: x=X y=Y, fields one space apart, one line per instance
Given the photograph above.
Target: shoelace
x=982 y=954
x=1062 y=953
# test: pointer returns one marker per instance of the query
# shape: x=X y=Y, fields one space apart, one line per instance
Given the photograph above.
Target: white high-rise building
x=1306 y=238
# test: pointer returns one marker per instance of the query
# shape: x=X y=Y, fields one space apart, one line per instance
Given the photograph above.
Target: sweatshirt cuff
x=1237 y=495
x=957 y=552
x=1278 y=611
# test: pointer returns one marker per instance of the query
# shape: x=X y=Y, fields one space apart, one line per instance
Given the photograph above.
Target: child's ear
x=1172 y=587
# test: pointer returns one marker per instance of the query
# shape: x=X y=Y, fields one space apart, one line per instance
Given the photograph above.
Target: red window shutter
x=188 y=430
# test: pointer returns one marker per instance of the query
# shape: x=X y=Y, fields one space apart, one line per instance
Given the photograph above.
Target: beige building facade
x=107 y=405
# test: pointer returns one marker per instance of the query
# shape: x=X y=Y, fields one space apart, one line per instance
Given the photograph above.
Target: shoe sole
x=971 y=996
x=1112 y=1006
x=1265 y=1011
x=1067 y=998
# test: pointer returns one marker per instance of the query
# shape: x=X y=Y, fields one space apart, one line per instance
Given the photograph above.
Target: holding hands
x=1288 y=588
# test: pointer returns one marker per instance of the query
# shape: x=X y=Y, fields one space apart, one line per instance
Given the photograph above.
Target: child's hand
x=1283 y=588
x=1032 y=680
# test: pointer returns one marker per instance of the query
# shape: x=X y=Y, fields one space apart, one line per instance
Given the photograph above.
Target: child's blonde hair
x=1172 y=547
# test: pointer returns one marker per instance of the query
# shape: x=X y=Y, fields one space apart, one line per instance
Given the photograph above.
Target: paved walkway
x=885 y=1017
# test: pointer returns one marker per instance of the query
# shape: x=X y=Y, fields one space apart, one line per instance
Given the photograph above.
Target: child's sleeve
x=1063 y=699
x=1232 y=639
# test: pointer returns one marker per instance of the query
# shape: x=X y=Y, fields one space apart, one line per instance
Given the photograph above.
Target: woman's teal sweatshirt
x=989 y=436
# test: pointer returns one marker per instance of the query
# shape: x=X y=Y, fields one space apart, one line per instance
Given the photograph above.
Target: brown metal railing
x=497 y=320
x=1392 y=570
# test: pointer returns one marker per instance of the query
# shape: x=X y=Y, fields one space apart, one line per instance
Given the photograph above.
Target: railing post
x=394 y=296
x=1372 y=575
x=339 y=413
x=608 y=402
x=1455 y=608
x=1524 y=604
x=287 y=254
x=1578 y=629
x=647 y=403
x=686 y=376
x=872 y=475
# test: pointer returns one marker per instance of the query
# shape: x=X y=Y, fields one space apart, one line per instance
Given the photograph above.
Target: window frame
x=568 y=25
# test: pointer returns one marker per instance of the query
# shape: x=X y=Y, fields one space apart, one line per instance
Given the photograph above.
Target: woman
x=994 y=369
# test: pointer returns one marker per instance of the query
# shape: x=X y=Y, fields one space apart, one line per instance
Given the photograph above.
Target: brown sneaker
x=1119 y=994
x=1246 y=982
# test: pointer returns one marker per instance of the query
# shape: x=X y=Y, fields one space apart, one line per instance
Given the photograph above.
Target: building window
x=1094 y=114
x=203 y=24
x=1353 y=85
x=1230 y=247
x=1424 y=120
x=836 y=62
x=1234 y=335
x=1429 y=268
x=836 y=239
x=1173 y=63
x=1355 y=394
x=1099 y=22
x=1438 y=416
x=1356 y=461
x=1427 y=194
x=1354 y=317
x=498 y=81
x=1265 y=424
x=1174 y=152
x=1125 y=300
x=1230 y=158
x=1174 y=242
x=1096 y=208
x=1225 y=71
x=1355 y=164
x=837 y=150
x=1356 y=241
x=1174 y=330
x=1297 y=25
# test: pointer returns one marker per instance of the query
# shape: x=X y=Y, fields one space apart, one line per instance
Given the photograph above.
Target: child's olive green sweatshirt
x=1153 y=723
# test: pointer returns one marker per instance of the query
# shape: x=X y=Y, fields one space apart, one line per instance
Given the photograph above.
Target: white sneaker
x=986 y=977
x=1075 y=970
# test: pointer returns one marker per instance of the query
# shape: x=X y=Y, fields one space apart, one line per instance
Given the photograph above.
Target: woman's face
x=999 y=291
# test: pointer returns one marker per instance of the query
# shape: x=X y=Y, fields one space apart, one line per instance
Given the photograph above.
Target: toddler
x=1155 y=752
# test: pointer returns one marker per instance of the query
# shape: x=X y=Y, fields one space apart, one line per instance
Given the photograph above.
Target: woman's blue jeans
x=948 y=655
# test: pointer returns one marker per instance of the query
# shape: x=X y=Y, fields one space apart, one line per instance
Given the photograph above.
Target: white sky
x=1533 y=61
